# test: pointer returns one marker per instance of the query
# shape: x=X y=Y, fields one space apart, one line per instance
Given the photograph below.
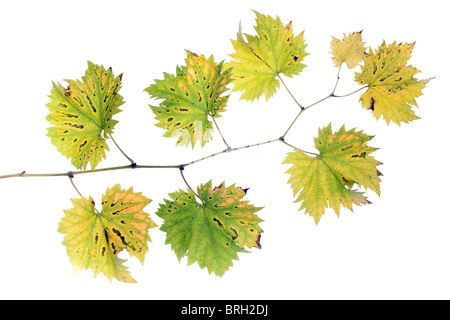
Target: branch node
x=228 y=149
x=22 y=173
x=70 y=174
x=133 y=165
x=181 y=167
x=281 y=138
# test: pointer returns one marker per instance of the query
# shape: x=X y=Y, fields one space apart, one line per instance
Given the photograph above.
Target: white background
x=396 y=248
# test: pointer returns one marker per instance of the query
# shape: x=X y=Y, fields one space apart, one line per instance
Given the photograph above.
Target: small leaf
x=350 y=50
x=190 y=96
x=326 y=180
x=259 y=59
x=213 y=232
x=93 y=240
x=392 y=88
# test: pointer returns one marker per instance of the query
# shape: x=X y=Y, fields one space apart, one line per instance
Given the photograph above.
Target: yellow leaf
x=81 y=115
x=392 y=87
x=326 y=180
x=259 y=59
x=350 y=50
x=93 y=240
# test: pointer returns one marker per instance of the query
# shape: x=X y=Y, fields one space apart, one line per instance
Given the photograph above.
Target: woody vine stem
x=182 y=166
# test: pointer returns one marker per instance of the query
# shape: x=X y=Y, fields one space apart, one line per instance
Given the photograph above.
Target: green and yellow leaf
x=190 y=97
x=81 y=115
x=94 y=239
x=259 y=59
x=326 y=180
x=392 y=87
x=210 y=233
x=349 y=50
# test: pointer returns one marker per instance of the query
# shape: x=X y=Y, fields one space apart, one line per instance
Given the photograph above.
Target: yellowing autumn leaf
x=259 y=59
x=349 y=50
x=392 y=87
x=327 y=180
x=191 y=96
x=212 y=232
x=94 y=239
x=81 y=115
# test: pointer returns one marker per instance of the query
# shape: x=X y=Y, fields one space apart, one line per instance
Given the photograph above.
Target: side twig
x=187 y=184
x=290 y=93
x=70 y=175
x=337 y=80
x=349 y=94
x=120 y=149
x=73 y=184
x=331 y=95
x=290 y=145
x=221 y=135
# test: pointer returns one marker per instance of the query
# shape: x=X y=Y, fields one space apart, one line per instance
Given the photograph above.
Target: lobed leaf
x=93 y=240
x=349 y=50
x=259 y=59
x=190 y=96
x=81 y=115
x=210 y=233
x=392 y=87
x=326 y=180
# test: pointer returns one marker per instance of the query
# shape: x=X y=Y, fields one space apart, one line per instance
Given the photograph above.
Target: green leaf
x=259 y=59
x=392 y=87
x=93 y=240
x=326 y=180
x=190 y=97
x=214 y=231
x=81 y=115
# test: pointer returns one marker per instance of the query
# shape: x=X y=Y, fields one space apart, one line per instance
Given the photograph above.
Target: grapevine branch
x=331 y=95
x=182 y=166
x=82 y=117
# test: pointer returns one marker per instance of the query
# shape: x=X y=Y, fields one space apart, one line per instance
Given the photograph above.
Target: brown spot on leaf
x=372 y=104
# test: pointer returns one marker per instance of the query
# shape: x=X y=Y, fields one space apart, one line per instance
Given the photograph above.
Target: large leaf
x=392 y=87
x=190 y=97
x=214 y=231
x=326 y=180
x=94 y=239
x=259 y=59
x=81 y=115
